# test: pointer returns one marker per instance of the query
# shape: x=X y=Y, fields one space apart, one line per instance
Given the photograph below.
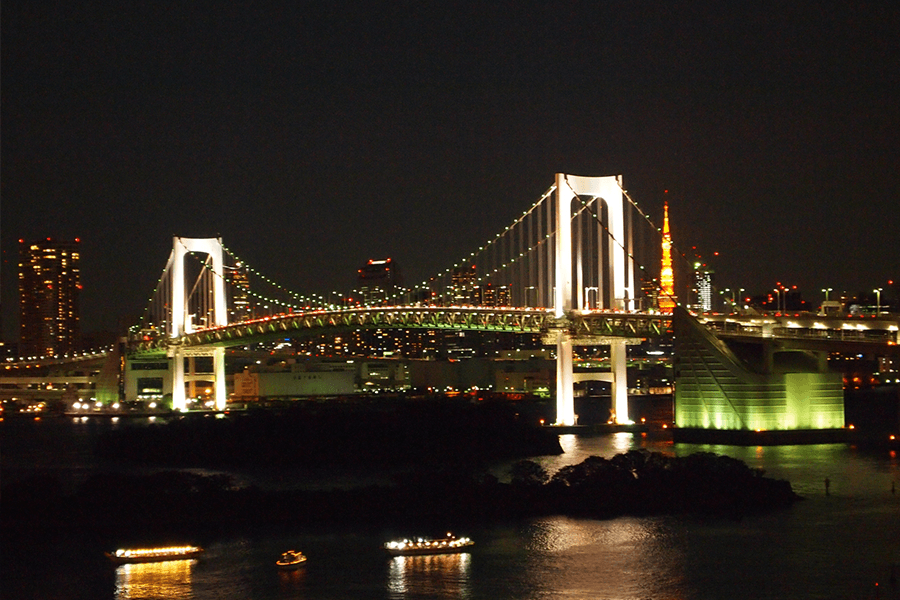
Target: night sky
x=314 y=136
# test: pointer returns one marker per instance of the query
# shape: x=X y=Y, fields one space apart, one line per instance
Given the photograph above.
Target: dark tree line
x=442 y=494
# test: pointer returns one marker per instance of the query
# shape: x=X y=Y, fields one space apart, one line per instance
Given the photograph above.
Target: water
x=841 y=545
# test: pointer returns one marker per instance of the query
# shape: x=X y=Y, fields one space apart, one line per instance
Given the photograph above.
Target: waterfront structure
x=561 y=249
x=751 y=383
x=667 y=299
x=49 y=297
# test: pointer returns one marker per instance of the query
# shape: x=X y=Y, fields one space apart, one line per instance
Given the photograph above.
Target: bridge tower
x=568 y=298
x=181 y=322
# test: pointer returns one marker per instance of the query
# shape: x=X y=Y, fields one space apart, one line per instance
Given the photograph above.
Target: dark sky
x=313 y=136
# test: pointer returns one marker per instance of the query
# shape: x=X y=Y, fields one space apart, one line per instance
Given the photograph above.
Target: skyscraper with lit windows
x=239 y=287
x=703 y=288
x=49 y=297
x=377 y=281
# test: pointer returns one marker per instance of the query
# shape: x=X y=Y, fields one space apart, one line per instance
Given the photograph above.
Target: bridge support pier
x=219 y=374
x=565 y=390
x=179 y=398
x=565 y=377
x=618 y=355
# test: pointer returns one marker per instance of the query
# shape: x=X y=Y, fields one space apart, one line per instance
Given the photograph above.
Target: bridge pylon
x=181 y=322
x=568 y=298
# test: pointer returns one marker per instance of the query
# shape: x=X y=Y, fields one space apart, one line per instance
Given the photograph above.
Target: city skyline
x=312 y=140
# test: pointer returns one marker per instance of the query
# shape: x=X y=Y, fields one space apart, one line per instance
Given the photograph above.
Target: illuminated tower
x=666 y=275
x=49 y=293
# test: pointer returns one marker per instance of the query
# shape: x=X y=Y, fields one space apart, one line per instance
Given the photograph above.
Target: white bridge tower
x=568 y=296
x=181 y=322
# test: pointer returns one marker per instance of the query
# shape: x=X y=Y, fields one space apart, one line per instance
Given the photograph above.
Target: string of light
x=481 y=278
x=610 y=233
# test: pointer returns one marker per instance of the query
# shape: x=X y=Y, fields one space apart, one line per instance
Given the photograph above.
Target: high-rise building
x=490 y=295
x=667 y=275
x=49 y=295
x=239 y=286
x=703 y=288
x=462 y=282
x=650 y=291
x=377 y=281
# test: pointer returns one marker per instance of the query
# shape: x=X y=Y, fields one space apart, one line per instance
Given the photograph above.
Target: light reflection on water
x=850 y=471
x=437 y=575
x=834 y=546
x=625 y=558
x=576 y=448
x=169 y=579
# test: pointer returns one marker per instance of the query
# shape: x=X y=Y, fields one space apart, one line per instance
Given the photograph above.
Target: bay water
x=840 y=542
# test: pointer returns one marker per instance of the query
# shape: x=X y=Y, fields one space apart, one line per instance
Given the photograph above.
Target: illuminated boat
x=290 y=560
x=419 y=546
x=148 y=555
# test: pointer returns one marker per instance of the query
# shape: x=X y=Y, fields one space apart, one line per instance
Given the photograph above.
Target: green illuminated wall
x=715 y=389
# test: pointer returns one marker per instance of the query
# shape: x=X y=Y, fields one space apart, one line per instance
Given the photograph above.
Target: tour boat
x=290 y=560
x=419 y=546
x=147 y=555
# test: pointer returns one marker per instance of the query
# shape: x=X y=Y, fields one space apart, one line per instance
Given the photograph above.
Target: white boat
x=290 y=560
x=148 y=555
x=420 y=546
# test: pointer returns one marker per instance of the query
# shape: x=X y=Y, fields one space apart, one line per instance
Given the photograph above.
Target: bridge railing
x=583 y=324
x=809 y=333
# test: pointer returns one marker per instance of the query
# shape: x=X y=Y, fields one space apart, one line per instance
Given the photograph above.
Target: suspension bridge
x=572 y=271
x=566 y=269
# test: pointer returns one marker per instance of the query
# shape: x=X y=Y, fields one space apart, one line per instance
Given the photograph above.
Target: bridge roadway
x=585 y=326
x=813 y=332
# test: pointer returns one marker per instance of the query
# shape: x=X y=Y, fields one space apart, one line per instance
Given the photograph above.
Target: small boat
x=148 y=555
x=420 y=546
x=290 y=560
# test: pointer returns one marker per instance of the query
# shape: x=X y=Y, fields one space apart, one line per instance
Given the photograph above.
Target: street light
x=826 y=291
x=877 y=301
x=778 y=300
x=729 y=290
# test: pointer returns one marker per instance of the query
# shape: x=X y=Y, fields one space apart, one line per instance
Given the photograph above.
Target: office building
x=378 y=281
x=49 y=295
x=239 y=287
x=703 y=288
